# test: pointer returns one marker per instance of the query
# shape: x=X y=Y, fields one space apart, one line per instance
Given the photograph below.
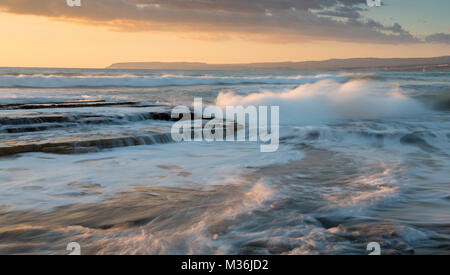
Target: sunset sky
x=49 y=33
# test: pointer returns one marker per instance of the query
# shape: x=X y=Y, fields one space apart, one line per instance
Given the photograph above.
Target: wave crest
x=329 y=100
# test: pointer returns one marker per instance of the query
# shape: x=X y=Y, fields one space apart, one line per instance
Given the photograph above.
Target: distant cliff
x=437 y=64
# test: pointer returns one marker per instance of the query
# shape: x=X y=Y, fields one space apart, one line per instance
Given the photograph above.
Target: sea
x=363 y=157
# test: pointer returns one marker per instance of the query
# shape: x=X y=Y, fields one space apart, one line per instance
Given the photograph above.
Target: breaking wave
x=328 y=100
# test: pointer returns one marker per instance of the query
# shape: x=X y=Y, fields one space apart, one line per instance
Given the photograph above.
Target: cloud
x=344 y=12
x=439 y=38
x=249 y=6
x=275 y=21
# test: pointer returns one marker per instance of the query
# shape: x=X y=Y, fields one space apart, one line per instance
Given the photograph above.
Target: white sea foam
x=44 y=180
x=329 y=100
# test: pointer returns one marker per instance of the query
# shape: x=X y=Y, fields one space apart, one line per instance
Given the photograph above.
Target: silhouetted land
x=434 y=64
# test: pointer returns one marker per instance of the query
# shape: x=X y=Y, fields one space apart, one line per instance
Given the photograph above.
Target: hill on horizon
x=437 y=64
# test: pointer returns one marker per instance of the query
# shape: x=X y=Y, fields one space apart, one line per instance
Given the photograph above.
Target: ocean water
x=86 y=156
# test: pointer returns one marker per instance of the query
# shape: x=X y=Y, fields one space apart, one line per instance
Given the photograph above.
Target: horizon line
x=108 y=67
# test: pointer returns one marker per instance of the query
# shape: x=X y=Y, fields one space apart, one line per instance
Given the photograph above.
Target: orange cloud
x=272 y=21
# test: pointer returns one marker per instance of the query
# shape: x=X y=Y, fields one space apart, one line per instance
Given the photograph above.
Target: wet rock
x=314 y=135
x=415 y=140
x=86 y=146
x=72 y=104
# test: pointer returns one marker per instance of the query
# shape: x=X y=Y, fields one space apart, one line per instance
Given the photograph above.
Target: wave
x=329 y=100
x=131 y=80
x=398 y=138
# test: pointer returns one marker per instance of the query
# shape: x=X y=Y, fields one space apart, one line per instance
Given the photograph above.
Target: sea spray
x=329 y=100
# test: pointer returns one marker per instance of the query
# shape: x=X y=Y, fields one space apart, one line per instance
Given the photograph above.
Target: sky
x=49 y=33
